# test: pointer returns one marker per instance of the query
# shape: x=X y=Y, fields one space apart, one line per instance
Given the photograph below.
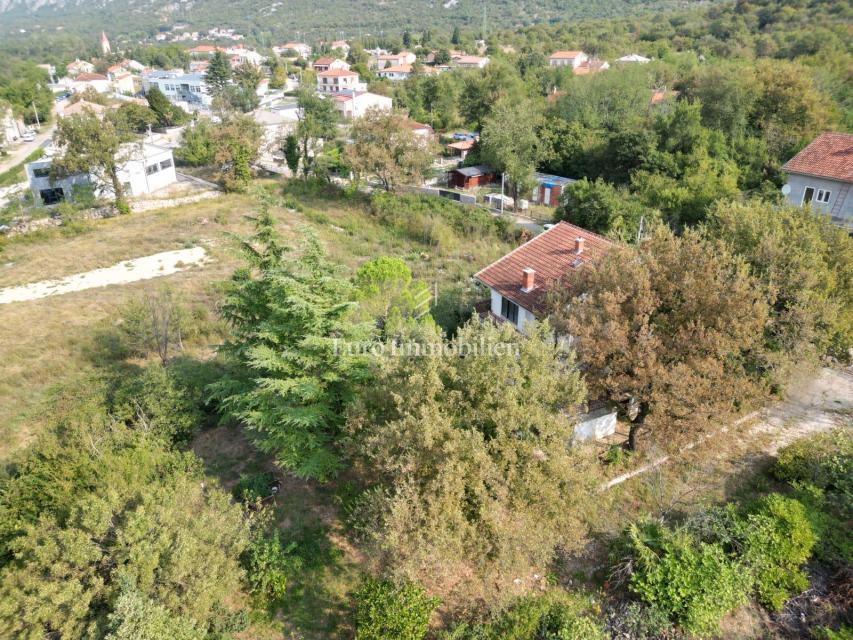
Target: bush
x=777 y=539
x=824 y=460
x=385 y=610
x=254 y=486
x=268 y=562
x=554 y=616
x=693 y=582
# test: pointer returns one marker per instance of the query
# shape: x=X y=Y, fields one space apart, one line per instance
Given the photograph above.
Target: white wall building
x=337 y=81
x=145 y=168
x=188 y=88
x=396 y=72
x=356 y=104
x=567 y=59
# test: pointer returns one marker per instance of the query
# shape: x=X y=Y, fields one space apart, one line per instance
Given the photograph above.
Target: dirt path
x=154 y=266
x=819 y=403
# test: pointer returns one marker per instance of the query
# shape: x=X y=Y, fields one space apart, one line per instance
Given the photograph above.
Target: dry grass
x=47 y=342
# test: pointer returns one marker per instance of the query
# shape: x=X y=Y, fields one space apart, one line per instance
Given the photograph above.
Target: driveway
x=19 y=153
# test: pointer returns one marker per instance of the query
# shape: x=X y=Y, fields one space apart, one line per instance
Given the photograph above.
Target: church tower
x=105 y=44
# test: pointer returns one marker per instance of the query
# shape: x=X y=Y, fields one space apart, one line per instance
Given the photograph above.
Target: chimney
x=528 y=279
x=579 y=242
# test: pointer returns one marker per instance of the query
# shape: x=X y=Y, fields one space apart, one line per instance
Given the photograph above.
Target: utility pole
x=35 y=111
x=640 y=230
x=503 y=177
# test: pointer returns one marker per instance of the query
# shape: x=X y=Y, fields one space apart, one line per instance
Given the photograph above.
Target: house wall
x=596 y=425
x=799 y=183
x=524 y=316
x=141 y=182
x=37 y=184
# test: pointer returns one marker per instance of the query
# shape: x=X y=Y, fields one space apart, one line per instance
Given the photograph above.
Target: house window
x=152 y=168
x=52 y=196
x=42 y=172
x=823 y=196
x=166 y=163
x=509 y=310
x=808 y=195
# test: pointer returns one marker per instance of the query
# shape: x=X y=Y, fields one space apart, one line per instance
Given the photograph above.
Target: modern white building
x=144 y=168
x=356 y=104
x=396 y=72
x=188 y=88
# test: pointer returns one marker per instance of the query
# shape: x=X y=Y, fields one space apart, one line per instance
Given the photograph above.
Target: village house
x=301 y=49
x=340 y=45
x=78 y=67
x=326 y=62
x=820 y=176
x=82 y=107
x=204 y=51
x=590 y=66
x=394 y=59
x=461 y=148
x=519 y=282
x=240 y=54
x=471 y=177
x=96 y=81
x=396 y=72
x=337 y=81
x=571 y=59
x=633 y=58
x=549 y=188
x=145 y=168
x=470 y=62
x=355 y=104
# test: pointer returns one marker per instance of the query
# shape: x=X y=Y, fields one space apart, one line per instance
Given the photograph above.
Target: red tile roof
x=397 y=68
x=830 y=155
x=323 y=62
x=551 y=254
x=336 y=73
x=565 y=55
x=88 y=77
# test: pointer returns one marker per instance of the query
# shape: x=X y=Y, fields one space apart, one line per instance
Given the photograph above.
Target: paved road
x=20 y=152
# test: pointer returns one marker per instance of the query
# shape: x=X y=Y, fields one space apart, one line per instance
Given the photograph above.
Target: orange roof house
x=520 y=281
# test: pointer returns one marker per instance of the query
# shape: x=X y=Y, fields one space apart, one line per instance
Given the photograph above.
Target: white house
x=519 y=282
x=393 y=59
x=95 y=81
x=633 y=58
x=567 y=59
x=340 y=45
x=820 y=176
x=337 y=81
x=302 y=50
x=325 y=63
x=471 y=62
x=145 y=168
x=241 y=54
x=396 y=72
x=187 y=88
x=79 y=66
x=356 y=104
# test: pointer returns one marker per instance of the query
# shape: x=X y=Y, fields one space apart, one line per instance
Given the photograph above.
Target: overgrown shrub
x=695 y=583
x=385 y=610
x=254 y=486
x=824 y=460
x=777 y=539
x=268 y=562
x=553 y=616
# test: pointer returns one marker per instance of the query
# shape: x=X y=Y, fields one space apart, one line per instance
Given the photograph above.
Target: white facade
x=189 y=88
x=510 y=311
x=355 y=105
x=571 y=59
x=145 y=168
x=471 y=62
x=635 y=58
x=302 y=50
x=396 y=73
x=337 y=81
x=11 y=129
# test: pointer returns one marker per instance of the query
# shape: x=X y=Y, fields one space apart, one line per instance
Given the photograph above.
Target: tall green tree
x=511 y=145
x=218 y=74
x=168 y=114
x=316 y=125
x=290 y=149
x=291 y=378
x=601 y=207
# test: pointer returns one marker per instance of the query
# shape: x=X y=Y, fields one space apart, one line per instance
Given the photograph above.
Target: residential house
x=204 y=51
x=470 y=62
x=301 y=49
x=395 y=59
x=519 y=282
x=461 y=148
x=820 y=176
x=326 y=62
x=11 y=128
x=549 y=188
x=634 y=58
x=571 y=59
x=421 y=130
x=396 y=72
x=144 y=168
x=471 y=177
x=337 y=81
x=356 y=103
x=82 y=107
x=79 y=66
x=96 y=81
x=340 y=45
x=590 y=66
x=240 y=54
x=123 y=82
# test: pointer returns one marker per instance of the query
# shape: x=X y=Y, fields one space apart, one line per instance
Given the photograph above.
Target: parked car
x=29 y=136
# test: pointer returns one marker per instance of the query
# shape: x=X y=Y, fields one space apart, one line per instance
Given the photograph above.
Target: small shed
x=549 y=188
x=471 y=177
x=461 y=148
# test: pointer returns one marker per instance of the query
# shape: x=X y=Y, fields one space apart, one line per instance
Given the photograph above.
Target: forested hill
x=316 y=18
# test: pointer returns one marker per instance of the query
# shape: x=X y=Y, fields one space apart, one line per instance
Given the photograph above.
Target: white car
x=29 y=136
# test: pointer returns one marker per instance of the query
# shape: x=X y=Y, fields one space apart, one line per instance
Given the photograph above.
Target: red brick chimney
x=579 y=242
x=528 y=279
